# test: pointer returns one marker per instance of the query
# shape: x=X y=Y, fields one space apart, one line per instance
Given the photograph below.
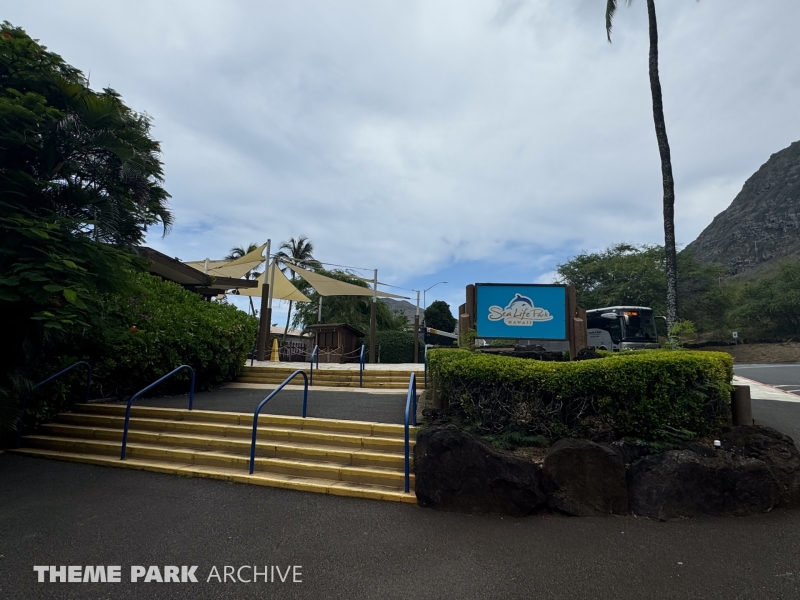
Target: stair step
x=240 y=461
x=246 y=419
x=333 y=454
x=385 y=444
x=310 y=484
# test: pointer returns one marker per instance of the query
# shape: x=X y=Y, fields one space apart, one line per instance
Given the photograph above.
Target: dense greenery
x=80 y=182
x=766 y=305
x=353 y=310
x=439 y=316
x=654 y=395
x=161 y=326
x=396 y=347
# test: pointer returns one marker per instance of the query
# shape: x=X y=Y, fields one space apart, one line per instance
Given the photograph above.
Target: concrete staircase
x=343 y=458
x=387 y=379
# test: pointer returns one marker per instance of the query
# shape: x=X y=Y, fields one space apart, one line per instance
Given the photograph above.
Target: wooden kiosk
x=338 y=342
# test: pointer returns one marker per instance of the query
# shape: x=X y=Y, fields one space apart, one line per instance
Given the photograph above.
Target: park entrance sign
x=521 y=311
x=524 y=311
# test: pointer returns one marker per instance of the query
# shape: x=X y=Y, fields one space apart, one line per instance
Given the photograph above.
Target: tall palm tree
x=300 y=252
x=666 y=161
x=238 y=252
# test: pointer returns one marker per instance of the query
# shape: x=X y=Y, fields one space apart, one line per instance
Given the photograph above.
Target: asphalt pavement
x=784 y=376
x=354 y=406
x=55 y=513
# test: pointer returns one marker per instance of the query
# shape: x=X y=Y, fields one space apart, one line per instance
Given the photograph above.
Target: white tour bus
x=621 y=327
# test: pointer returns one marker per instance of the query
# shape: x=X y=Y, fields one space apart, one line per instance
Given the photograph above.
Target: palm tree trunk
x=666 y=172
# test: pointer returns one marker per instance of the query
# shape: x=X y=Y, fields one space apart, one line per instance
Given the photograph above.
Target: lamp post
x=424 y=303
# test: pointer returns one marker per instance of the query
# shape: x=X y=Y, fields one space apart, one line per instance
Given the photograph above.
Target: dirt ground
x=761 y=353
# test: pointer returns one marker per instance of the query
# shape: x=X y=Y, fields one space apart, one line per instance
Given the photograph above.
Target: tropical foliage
x=764 y=305
x=353 y=310
x=238 y=252
x=299 y=252
x=654 y=395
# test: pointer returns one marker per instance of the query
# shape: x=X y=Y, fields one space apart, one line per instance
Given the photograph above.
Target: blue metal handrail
x=410 y=405
x=314 y=353
x=361 y=368
x=48 y=380
x=426 y=366
x=148 y=388
x=267 y=399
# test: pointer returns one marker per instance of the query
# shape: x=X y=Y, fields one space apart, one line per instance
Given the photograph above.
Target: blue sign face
x=521 y=311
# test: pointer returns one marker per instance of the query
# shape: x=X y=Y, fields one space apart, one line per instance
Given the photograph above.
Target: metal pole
x=265 y=316
x=319 y=311
x=416 y=332
x=373 y=317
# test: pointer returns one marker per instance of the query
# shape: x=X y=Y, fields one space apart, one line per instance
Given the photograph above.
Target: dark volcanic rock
x=587 y=354
x=763 y=221
x=680 y=483
x=456 y=471
x=585 y=479
x=777 y=450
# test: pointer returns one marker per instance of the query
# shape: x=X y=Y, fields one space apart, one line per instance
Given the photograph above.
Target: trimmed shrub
x=654 y=395
x=396 y=346
x=163 y=326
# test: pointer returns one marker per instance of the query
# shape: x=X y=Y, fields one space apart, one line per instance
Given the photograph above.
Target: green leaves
x=651 y=394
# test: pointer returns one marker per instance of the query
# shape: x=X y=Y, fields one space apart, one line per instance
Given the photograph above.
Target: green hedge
x=652 y=395
x=163 y=326
x=396 y=347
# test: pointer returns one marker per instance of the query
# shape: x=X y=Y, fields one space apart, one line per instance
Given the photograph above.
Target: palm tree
x=666 y=161
x=300 y=252
x=238 y=252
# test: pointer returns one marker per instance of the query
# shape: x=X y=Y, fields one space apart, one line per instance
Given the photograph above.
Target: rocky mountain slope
x=763 y=221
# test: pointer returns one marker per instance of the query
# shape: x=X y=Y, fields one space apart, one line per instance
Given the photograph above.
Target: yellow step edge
x=284 y=466
x=355 y=456
x=308 y=423
x=237 y=431
x=295 y=483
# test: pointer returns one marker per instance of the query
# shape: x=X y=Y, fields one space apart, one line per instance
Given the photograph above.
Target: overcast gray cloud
x=430 y=139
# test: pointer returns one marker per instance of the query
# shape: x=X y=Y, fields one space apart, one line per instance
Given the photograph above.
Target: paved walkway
x=55 y=513
x=762 y=391
x=336 y=403
x=409 y=367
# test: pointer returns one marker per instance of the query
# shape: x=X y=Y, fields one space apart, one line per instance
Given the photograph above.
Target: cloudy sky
x=456 y=141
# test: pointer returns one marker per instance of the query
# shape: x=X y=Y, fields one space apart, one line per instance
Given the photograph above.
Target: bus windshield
x=639 y=326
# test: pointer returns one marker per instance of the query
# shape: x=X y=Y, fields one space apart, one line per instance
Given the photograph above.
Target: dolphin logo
x=520 y=299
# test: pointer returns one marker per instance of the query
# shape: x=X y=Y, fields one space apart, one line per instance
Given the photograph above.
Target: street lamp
x=424 y=303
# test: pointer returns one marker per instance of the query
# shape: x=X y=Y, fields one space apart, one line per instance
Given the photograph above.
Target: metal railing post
x=314 y=352
x=361 y=368
x=142 y=391
x=267 y=399
x=21 y=424
x=412 y=393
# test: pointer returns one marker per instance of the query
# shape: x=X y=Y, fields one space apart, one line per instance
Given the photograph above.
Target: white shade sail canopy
x=225 y=268
x=327 y=286
x=282 y=288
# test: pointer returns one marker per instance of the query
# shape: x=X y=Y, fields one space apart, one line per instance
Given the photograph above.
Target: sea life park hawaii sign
x=521 y=311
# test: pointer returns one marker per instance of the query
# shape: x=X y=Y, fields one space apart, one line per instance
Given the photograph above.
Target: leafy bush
x=649 y=395
x=163 y=326
x=396 y=346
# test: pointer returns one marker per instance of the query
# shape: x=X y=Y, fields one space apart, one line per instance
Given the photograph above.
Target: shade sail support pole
x=373 y=317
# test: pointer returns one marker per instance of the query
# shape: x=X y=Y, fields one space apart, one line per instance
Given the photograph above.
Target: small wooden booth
x=338 y=342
